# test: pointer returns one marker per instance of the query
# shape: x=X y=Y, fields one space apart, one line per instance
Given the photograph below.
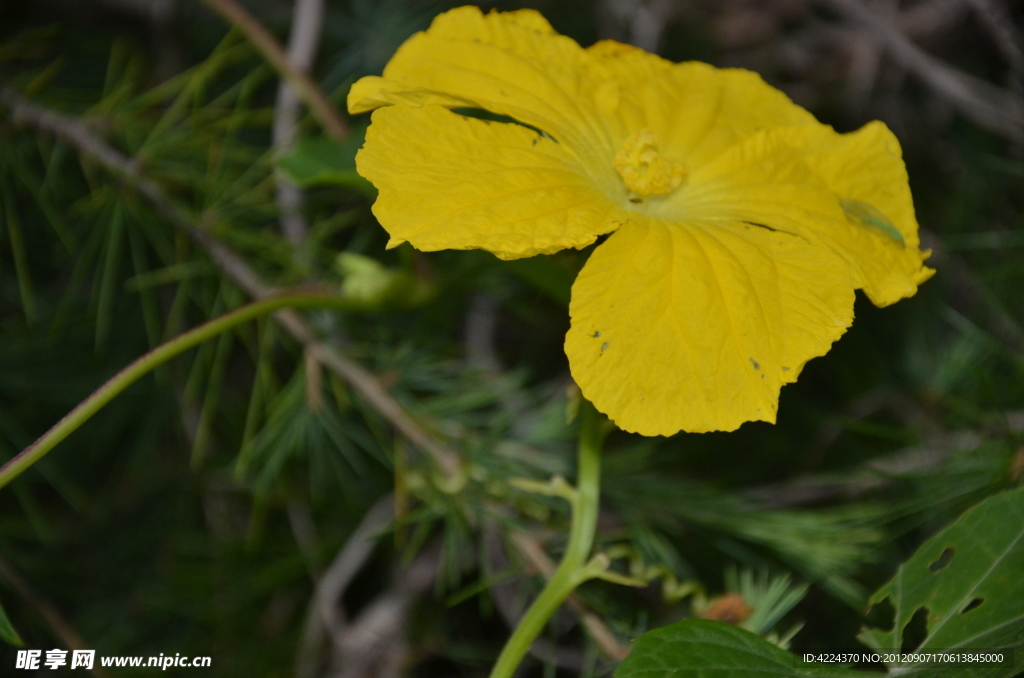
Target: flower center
x=644 y=170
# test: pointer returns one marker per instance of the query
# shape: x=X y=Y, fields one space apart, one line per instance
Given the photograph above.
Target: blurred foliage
x=954 y=596
x=196 y=513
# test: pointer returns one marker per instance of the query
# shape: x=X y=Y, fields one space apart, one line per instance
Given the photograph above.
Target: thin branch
x=534 y=553
x=303 y=41
x=644 y=22
x=349 y=561
x=289 y=206
x=507 y=597
x=375 y=643
x=927 y=19
x=365 y=383
x=325 y=611
x=996 y=19
x=371 y=391
x=314 y=97
x=990 y=107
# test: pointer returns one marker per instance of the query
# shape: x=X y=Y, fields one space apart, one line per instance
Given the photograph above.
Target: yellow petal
x=447 y=181
x=797 y=180
x=695 y=110
x=865 y=169
x=507 y=63
x=696 y=326
x=495 y=28
x=373 y=92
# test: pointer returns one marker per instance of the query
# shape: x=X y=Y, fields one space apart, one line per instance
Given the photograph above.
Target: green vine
x=146 y=363
x=574 y=569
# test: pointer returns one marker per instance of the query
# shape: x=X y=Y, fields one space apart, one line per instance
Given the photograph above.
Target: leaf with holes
x=962 y=590
x=701 y=648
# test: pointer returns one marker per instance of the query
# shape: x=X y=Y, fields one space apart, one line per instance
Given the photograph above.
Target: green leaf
x=323 y=162
x=7 y=632
x=963 y=589
x=701 y=648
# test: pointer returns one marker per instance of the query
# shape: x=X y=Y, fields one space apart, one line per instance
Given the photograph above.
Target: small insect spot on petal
x=756 y=365
x=604 y=346
x=785 y=369
x=595 y=335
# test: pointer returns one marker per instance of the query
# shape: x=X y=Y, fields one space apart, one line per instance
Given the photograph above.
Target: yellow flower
x=740 y=226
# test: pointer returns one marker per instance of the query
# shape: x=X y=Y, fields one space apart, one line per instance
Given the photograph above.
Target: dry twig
x=929 y=19
x=534 y=553
x=325 y=611
x=365 y=383
x=510 y=604
x=507 y=600
x=990 y=107
x=303 y=41
x=321 y=106
x=643 y=21
x=996 y=19
x=375 y=644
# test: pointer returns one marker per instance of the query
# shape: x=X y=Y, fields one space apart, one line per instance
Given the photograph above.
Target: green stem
x=570 y=572
x=159 y=355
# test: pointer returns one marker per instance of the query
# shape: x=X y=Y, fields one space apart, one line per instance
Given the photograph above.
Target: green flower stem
x=144 y=364
x=572 y=571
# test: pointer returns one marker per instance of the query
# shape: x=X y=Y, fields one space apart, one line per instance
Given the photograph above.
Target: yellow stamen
x=644 y=170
